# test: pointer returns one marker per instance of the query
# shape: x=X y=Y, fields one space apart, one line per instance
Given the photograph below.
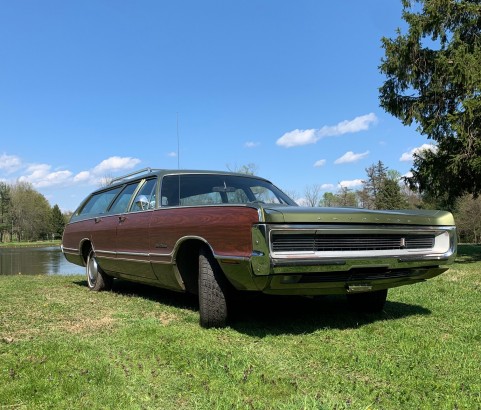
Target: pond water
x=36 y=261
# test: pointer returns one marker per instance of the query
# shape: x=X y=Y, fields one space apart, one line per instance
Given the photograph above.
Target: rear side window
x=98 y=203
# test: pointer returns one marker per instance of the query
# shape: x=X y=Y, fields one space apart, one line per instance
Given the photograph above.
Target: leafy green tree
x=329 y=200
x=58 y=221
x=433 y=79
x=345 y=197
x=468 y=218
x=5 y=205
x=30 y=212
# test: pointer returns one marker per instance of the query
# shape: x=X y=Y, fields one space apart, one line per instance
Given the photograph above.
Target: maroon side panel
x=76 y=232
x=133 y=245
x=227 y=229
x=101 y=231
x=104 y=235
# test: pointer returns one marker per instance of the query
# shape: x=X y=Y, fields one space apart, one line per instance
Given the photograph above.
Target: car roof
x=148 y=172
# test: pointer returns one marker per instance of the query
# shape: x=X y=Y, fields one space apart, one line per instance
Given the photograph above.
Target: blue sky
x=95 y=88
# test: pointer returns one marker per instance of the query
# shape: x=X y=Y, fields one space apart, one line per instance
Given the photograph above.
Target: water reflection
x=36 y=261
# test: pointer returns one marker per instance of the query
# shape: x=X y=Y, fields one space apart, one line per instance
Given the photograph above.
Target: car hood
x=294 y=214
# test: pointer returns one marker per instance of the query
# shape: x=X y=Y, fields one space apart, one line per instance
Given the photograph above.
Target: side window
x=145 y=198
x=98 y=203
x=122 y=202
x=170 y=190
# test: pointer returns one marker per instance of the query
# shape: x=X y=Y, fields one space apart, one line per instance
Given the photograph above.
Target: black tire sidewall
x=212 y=292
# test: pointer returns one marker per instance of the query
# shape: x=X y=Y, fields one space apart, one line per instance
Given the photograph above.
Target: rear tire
x=368 y=302
x=97 y=279
x=212 y=292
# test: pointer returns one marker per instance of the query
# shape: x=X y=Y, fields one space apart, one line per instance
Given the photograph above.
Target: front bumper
x=315 y=273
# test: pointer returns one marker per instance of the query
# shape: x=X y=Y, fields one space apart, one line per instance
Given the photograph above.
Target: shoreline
x=37 y=244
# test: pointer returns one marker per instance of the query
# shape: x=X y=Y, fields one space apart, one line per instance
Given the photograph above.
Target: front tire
x=212 y=292
x=368 y=302
x=97 y=279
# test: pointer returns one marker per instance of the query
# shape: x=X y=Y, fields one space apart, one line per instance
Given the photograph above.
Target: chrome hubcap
x=92 y=271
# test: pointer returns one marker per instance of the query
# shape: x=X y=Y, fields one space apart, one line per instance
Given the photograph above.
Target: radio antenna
x=178 y=143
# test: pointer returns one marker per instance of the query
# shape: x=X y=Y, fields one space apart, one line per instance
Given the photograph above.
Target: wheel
x=97 y=279
x=212 y=292
x=369 y=302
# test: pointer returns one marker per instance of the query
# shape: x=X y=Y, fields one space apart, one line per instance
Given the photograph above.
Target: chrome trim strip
x=231 y=258
x=161 y=254
x=132 y=253
x=132 y=260
x=70 y=250
x=426 y=258
x=100 y=251
x=307 y=262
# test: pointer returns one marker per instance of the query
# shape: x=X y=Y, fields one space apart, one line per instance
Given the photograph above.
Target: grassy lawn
x=63 y=347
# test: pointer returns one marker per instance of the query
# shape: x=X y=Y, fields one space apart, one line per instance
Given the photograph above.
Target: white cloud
x=350 y=156
x=327 y=187
x=361 y=123
x=311 y=136
x=115 y=164
x=40 y=176
x=351 y=184
x=172 y=154
x=409 y=156
x=82 y=176
x=10 y=163
x=298 y=137
x=320 y=163
x=54 y=178
x=251 y=144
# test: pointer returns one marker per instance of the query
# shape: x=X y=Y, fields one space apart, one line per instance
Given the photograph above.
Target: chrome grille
x=346 y=243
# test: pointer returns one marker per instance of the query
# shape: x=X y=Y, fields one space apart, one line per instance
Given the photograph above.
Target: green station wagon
x=217 y=233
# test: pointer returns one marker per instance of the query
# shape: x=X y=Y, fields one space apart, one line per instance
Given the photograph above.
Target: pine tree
x=434 y=81
x=58 y=221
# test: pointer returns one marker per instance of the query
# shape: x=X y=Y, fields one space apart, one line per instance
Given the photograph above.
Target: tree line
x=26 y=215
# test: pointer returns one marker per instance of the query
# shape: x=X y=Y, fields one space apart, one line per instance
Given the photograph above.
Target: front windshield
x=199 y=189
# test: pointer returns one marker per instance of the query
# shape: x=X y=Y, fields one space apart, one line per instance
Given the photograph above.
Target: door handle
x=122 y=218
x=97 y=220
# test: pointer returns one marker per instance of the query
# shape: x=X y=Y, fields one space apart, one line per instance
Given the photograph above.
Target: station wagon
x=215 y=234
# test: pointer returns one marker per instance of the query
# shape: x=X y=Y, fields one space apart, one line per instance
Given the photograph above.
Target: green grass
x=63 y=347
x=55 y=242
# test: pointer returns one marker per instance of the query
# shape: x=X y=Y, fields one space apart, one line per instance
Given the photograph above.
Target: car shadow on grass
x=297 y=315
x=167 y=297
x=468 y=253
x=264 y=315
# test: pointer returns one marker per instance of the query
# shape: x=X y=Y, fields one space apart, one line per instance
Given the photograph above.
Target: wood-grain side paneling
x=227 y=229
